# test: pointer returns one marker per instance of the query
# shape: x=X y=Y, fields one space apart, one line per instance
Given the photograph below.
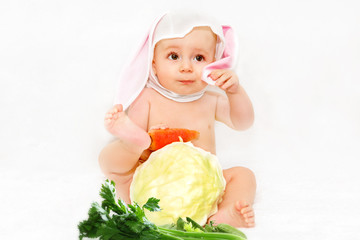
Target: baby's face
x=178 y=62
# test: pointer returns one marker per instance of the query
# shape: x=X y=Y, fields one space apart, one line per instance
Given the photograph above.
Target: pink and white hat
x=138 y=73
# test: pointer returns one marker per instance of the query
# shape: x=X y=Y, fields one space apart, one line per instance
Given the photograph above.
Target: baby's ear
x=153 y=66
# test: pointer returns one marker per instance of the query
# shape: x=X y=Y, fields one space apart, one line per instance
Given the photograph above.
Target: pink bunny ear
x=227 y=59
x=134 y=76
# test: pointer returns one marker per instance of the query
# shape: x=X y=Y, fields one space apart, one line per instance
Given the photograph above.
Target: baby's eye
x=173 y=56
x=199 y=58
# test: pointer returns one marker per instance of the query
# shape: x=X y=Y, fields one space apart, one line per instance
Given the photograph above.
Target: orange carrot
x=163 y=137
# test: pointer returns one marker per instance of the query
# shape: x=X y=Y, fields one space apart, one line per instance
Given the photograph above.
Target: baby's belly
x=206 y=144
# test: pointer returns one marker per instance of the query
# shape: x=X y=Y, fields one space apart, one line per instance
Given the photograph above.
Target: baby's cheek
x=203 y=84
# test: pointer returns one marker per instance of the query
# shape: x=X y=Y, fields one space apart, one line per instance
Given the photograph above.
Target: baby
x=176 y=96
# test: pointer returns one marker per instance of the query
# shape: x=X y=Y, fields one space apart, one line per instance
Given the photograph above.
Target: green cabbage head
x=188 y=181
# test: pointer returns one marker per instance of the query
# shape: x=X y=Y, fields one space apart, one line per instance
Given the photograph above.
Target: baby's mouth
x=186 y=81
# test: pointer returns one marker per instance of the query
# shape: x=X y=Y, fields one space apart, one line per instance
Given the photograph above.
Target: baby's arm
x=236 y=109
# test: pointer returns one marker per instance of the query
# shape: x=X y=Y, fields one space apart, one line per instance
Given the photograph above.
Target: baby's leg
x=119 y=164
x=236 y=206
x=119 y=159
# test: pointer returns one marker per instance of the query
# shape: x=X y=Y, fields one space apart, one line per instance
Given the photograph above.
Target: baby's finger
x=223 y=79
x=227 y=84
x=216 y=74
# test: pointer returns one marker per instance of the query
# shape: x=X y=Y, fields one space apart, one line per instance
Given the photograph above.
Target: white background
x=299 y=62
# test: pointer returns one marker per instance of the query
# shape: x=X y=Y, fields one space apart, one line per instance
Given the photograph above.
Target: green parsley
x=114 y=220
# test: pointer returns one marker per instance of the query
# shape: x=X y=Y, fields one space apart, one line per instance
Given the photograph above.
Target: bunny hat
x=139 y=74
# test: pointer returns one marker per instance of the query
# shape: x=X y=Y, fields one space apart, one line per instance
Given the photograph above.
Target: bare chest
x=198 y=115
x=192 y=115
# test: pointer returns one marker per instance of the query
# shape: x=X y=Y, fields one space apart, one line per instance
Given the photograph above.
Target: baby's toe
x=117 y=115
x=239 y=206
x=118 y=108
x=250 y=225
x=249 y=219
x=249 y=214
x=246 y=209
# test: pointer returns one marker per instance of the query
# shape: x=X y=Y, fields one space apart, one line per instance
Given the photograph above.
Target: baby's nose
x=186 y=66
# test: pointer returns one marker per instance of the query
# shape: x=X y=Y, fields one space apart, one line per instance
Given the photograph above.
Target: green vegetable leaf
x=108 y=193
x=180 y=224
x=98 y=219
x=152 y=205
x=210 y=227
x=194 y=224
x=114 y=220
x=190 y=228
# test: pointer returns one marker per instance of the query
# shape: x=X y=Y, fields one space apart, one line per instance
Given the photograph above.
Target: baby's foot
x=238 y=215
x=121 y=126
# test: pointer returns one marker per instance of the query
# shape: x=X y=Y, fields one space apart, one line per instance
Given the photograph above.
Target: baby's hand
x=225 y=79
